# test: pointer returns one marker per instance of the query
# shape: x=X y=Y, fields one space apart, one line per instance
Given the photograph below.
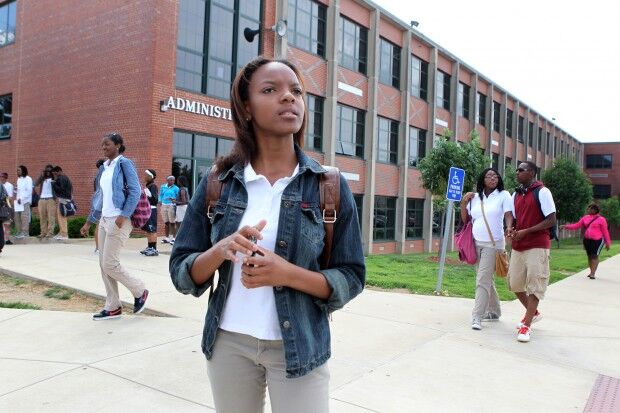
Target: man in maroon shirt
x=528 y=275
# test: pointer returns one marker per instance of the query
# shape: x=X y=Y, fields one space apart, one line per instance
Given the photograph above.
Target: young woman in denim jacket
x=267 y=322
x=115 y=199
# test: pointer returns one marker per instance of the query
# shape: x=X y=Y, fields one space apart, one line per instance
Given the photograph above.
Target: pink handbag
x=465 y=241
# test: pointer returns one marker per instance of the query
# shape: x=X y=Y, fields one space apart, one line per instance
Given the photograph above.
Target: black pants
x=1 y=235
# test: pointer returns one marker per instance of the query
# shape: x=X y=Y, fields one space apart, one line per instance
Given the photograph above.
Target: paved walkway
x=391 y=352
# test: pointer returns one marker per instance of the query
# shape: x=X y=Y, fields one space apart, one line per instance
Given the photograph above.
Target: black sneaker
x=139 y=302
x=108 y=315
x=8 y=242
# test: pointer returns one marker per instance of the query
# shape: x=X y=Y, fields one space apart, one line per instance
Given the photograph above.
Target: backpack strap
x=329 y=193
x=213 y=191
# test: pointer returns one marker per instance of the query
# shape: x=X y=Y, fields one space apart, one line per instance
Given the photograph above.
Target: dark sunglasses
x=521 y=169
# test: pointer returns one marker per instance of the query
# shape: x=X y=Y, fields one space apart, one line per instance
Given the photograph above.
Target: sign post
x=454 y=191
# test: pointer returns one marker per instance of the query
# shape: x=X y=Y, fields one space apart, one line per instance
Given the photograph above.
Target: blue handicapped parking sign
x=456 y=180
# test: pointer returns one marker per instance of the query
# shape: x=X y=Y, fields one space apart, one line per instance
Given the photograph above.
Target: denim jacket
x=303 y=319
x=125 y=190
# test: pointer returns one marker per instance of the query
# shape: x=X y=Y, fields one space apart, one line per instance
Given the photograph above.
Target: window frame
x=419 y=78
x=419 y=143
x=312 y=137
x=412 y=231
x=6 y=128
x=389 y=212
x=509 y=122
x=601 y=191
x=481 y=108
x=389 y=127
x=497 y=107
x=599 y=161
x=318 y=27
x=7 y=7
x=394 y=51
x=357 y=124
x=361 y=45
x=442 y=89
x=462 y=100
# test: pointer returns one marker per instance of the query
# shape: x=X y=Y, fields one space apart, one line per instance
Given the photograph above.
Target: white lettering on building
x=199 y=108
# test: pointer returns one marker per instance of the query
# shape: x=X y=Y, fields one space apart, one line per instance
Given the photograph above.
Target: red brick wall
x=418 y=113
x=465 y=76
x=355 y=12
x=386 y=180
x=390 y=32
x=420 y=49
x=312 y=67
x=384 y=247
x=414 y=184
x=388 y=102
x=613 y=174
x=353 y=165
x=444 y=64
x=357 y=80
x=483 y=87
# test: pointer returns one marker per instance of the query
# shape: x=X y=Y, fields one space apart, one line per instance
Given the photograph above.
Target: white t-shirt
x=46 y=189
x=546 y=202
x=495 y=206
x=24 y=189
x=105 y=182
x=253 y=311
x=8 y=187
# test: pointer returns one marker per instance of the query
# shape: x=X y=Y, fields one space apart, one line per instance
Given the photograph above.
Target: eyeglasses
x=521 y=169
x=491 y=176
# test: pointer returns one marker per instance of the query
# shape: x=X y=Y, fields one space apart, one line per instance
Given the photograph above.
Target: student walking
x=115 y=199
x=181 y=201
x=23 y=199
x=150 y=188
x=267 y=324
x=63 y=193
x=488 y=208
x=528 y=274
x=168 y=194
x=596 y=235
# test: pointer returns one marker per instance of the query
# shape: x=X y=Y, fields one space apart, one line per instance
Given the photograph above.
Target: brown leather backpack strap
x=213 y=191
x=329 y=193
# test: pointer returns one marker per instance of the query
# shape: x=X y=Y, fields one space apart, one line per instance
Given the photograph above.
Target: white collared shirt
x=495 y=206
x=253 y=311
x=105 y=182
x=46 y=189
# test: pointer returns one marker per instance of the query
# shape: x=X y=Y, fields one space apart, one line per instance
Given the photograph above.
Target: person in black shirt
x=151 y=226
x=63 y=192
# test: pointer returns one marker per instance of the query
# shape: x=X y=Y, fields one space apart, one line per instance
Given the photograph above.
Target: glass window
x=601 y=191
x=359 y=205
x=495 y=160
x=540 y=139
x=417 y=145
x=353 y=45
x=442 y=93
x=306 y=25
x=389 y=63
x=208 y=60
x=599 y=161
x=193 y=154
x=509 y=116
x=385 y=218
x=462 y=100
x=419 y=77
x=314 y=127
x=521 y=129
x=6 y=116
x=496 y=115
x=415 y=218
x=530 y=134
x=7 y=23
x=387 y=141
x=481 y=108
x=508 y=164
x=548 y=143
x=350 y=139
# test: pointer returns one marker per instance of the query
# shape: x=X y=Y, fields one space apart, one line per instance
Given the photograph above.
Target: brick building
x=159 y=73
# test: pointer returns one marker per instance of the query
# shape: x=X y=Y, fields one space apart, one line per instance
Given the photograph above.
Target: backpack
x=142 y=213
x=553 y=231
x=329 y=194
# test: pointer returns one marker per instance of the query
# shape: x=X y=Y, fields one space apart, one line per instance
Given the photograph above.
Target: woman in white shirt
x=23 y=198
x=497 y=208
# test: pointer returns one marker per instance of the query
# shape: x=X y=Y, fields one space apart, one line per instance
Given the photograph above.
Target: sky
x=560 y=58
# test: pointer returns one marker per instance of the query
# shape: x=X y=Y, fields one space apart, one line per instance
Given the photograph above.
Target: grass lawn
x=417 y=273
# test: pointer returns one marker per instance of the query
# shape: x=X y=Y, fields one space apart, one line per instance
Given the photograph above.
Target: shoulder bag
x=142 y=213
x=68 y=208
x=501 y=256
x=464 y=239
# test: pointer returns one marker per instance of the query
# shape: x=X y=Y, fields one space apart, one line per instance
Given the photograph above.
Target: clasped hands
x=260 y=267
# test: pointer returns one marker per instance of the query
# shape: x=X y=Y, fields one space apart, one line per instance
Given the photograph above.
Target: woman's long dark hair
x=23 y=169
x=480 y=183
x=244 y=148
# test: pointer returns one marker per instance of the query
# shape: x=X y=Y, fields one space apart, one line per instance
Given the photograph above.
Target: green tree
x=610 y=209
x=435 y=166
x=510 y=179
x=571 y=189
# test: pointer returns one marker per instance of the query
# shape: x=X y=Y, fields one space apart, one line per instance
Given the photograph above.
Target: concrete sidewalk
x=391 y=352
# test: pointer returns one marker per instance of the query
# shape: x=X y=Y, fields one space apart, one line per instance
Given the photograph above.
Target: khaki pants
x=47 y=216
x=487 y=299
x=111 y=240
x=62 y=221
x=22 y=221
x=242 y=366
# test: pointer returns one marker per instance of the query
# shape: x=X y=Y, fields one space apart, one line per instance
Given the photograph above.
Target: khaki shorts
x=167 y=213
x=529 y=272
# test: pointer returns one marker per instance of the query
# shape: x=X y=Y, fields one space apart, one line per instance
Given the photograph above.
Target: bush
x=73 y=227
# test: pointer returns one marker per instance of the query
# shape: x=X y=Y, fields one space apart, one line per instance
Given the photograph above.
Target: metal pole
x=444 y=246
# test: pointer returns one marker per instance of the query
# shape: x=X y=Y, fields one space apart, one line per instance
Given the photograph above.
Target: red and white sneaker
x=537 y=317
x=524 y=334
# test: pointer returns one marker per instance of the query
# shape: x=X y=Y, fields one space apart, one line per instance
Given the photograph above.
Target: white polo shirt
x=253 y=311
x=105 y=182
x=46 y=189
x=495 y=206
